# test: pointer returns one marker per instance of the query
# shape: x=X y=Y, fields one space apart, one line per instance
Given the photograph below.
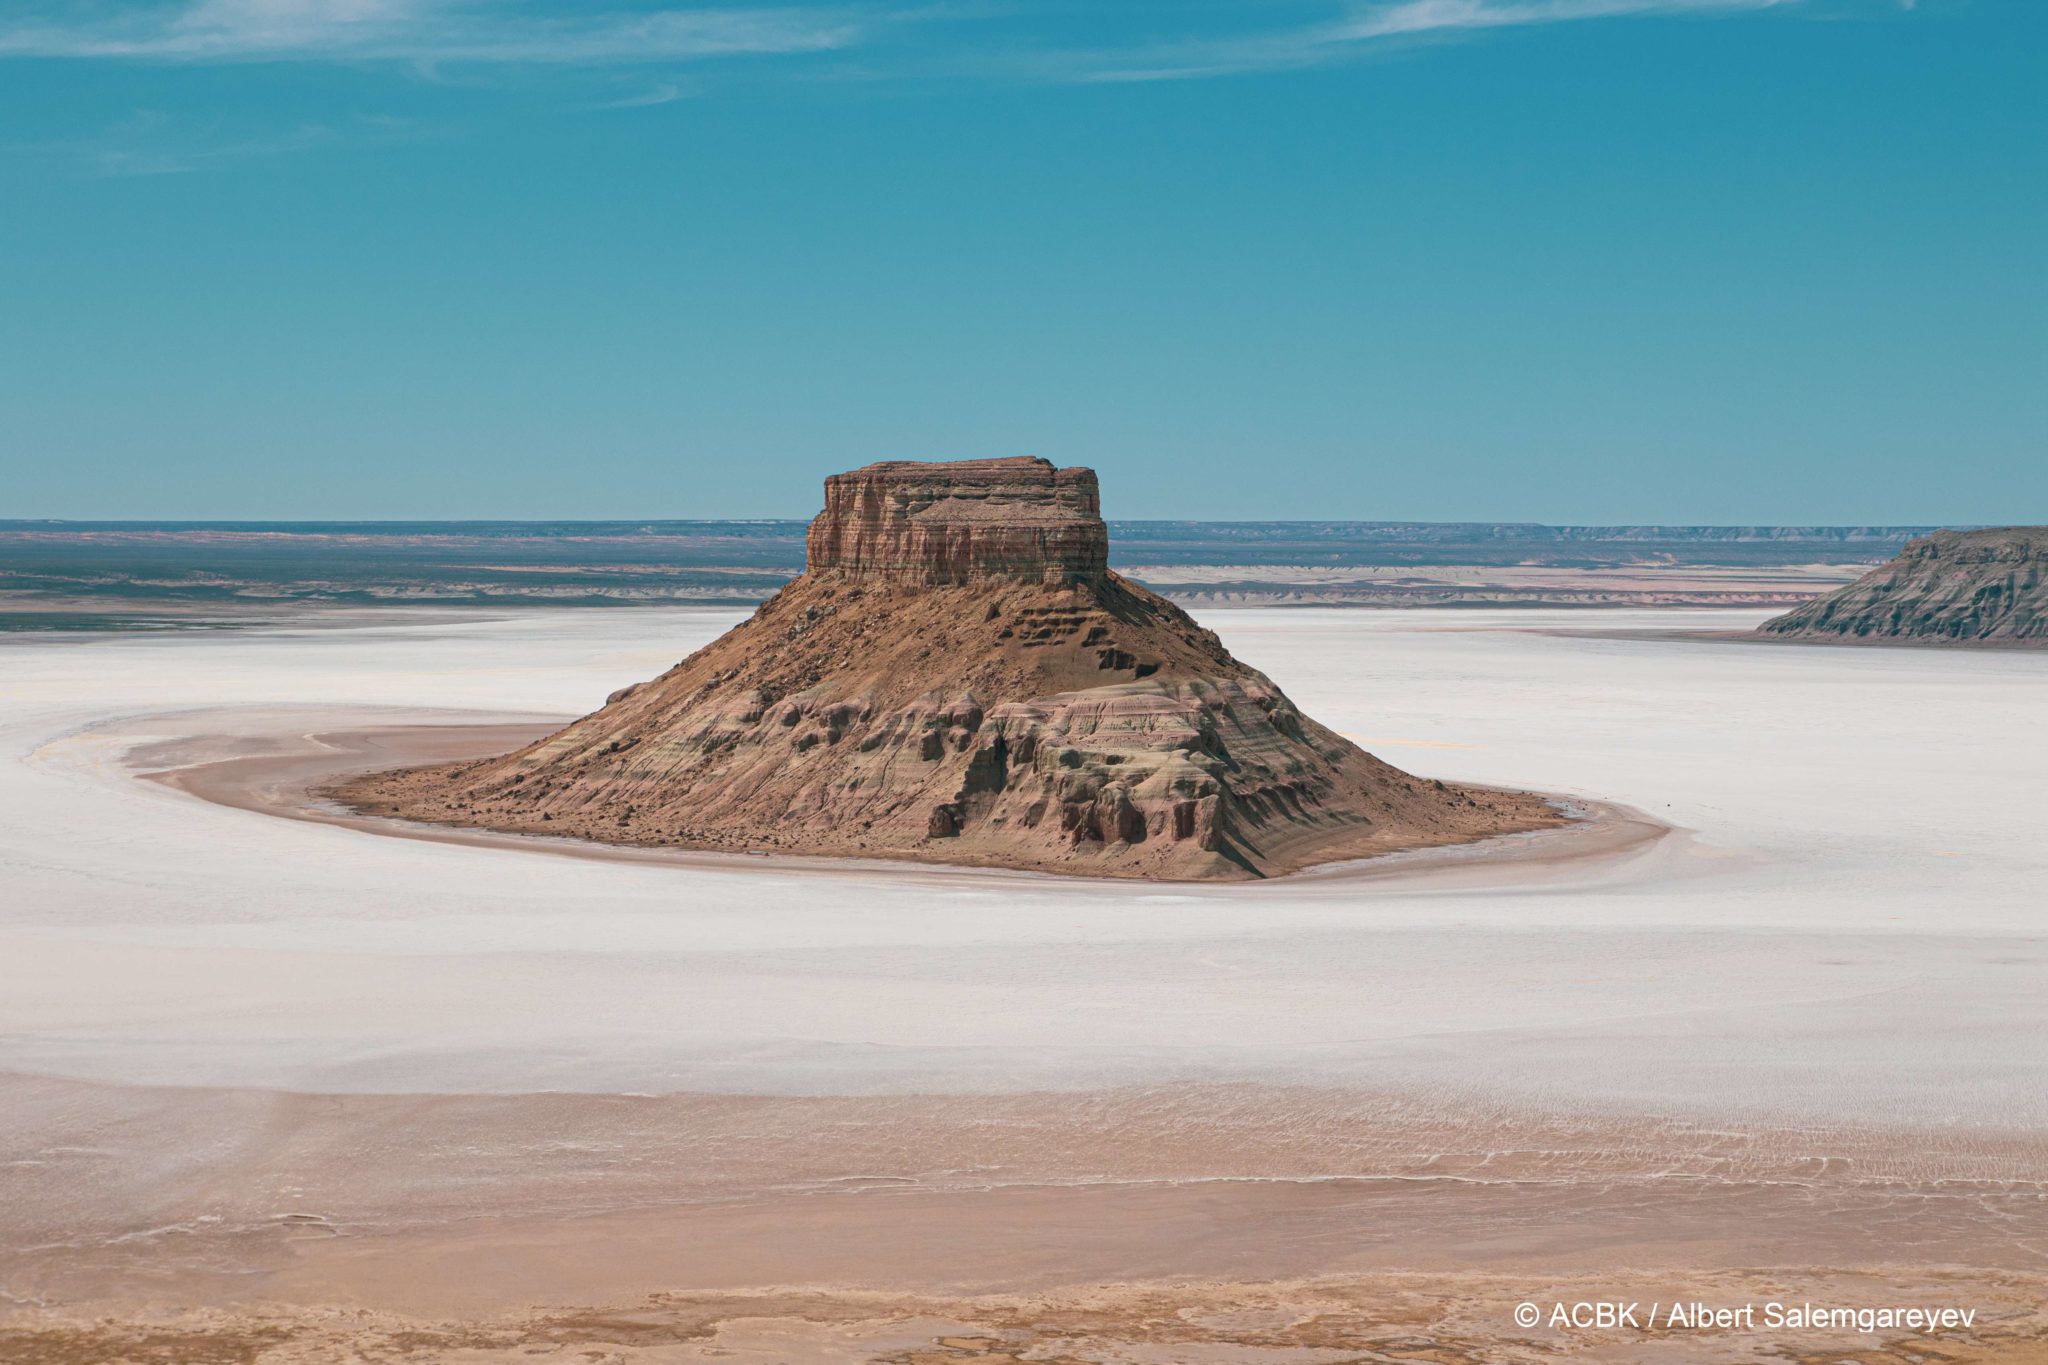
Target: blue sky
x=1557 y=260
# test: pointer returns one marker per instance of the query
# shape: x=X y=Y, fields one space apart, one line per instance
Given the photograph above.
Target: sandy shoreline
x=283 y=775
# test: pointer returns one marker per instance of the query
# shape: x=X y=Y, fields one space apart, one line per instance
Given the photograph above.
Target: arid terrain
x=179 y=573
x=959 y=677
x=1435 y=1319
x=1987 y=587
x=1184 y=682
x=298 y=1089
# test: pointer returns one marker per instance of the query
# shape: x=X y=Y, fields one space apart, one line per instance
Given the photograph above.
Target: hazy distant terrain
x=54 y=571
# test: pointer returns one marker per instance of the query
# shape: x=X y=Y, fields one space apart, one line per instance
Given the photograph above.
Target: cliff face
x=1984 y=587
x=959 y=677
x=930 y=524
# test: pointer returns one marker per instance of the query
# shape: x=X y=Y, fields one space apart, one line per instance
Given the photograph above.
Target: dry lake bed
x=282 y=1089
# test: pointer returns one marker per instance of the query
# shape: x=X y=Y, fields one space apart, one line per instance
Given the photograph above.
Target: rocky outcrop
x=1961 y=587
x=926 y=524
x=959 y=677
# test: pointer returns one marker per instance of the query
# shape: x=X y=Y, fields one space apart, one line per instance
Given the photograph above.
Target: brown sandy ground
x=1418 y=1318
x=165 y=1226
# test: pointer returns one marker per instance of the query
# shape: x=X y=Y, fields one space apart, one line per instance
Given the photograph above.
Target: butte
x=1985 y=587
x=958 y=677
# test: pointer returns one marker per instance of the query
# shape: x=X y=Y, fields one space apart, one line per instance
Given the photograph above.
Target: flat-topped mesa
x=958 y=677
x=959 y=522
x=1985 y=587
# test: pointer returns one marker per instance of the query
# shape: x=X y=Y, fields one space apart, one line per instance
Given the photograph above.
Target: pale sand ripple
x=461 y=1206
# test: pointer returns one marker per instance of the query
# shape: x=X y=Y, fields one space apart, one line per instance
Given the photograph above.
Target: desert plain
x=1768 y=1025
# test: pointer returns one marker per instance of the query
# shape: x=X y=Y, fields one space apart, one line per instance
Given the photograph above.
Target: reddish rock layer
x=957 y=677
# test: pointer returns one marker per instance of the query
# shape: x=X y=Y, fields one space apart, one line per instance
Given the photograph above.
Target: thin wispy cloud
x=901 y=38
x=426 y=31
x=666 y=92
x=158 y=142
x=1365 y=26
x=130 y=153
x=640 y=54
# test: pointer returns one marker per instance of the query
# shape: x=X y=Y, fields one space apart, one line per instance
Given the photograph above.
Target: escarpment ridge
x=959 y=677
x=1961 y=587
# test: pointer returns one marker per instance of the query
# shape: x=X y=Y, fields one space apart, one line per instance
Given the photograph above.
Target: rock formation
x=1961 y=587
x=958 y=677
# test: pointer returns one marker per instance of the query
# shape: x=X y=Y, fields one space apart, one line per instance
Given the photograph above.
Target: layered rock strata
x=1960 y=587
x=959 y=677
x=952 y=524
